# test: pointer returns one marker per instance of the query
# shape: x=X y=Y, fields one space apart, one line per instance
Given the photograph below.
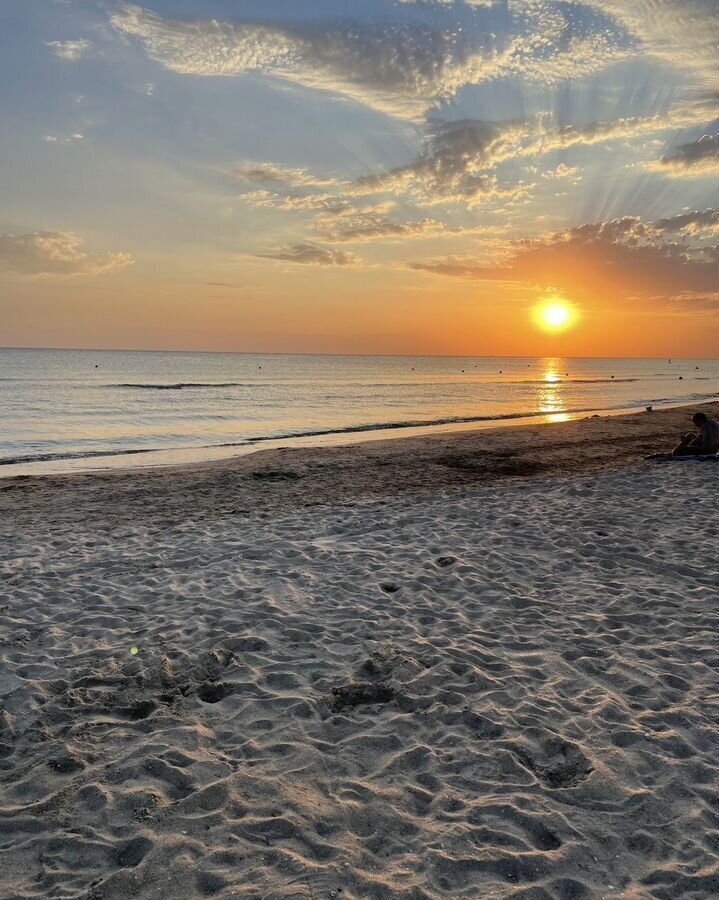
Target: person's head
x=699 y=419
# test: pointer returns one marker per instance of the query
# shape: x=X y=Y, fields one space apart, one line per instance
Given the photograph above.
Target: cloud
x=402 y=67
x=452 y=166
x=312 y=254
x=62 y=139
x=70 y=51
x=363 y=227
x=622 y=258
x=455 y=148
x=55 y=253
x=273 y=174
x=453 y=153
x=690 y=223
x=327 y=204
x=344 y=219
x=558 y=41
x=681 y=33
x=562 y=171
x=458 y=155
x=696 y=158
x=690 y=301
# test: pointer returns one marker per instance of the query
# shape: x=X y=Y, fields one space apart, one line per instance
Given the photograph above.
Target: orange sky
x=407 y=178
x=329 y=312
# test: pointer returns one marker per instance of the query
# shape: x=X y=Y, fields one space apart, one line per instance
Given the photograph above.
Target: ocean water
x=70 y=409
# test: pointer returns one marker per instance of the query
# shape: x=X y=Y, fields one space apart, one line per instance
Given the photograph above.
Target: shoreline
x=104 y=461
x=270 y=481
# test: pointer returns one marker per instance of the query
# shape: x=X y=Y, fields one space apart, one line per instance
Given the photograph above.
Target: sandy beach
x=470 y=665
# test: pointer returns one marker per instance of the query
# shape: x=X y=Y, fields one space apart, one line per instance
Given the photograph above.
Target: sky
x=360 y=176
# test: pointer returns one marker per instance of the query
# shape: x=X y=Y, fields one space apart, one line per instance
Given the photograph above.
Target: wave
x=355 y=429
x=181 y=385
x=428 y=423
x=79 y=454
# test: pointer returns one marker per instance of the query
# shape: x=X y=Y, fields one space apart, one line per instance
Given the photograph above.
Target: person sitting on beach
x=706 y=442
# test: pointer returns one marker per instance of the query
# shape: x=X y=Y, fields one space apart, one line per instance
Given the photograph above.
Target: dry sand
x=466 y=666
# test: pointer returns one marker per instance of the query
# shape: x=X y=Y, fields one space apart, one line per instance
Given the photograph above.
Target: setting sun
x=555 y=314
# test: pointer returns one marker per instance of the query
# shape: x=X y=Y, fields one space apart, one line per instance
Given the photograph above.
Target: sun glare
x=555 y=314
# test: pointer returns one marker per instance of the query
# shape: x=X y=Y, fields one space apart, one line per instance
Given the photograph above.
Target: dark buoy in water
x=681 y=378
x=96 y=366
x=500 y=371
x=648 y=408
x=612 y=376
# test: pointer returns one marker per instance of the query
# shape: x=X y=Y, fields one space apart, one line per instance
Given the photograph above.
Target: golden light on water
x=555 y=314
x=550 y=392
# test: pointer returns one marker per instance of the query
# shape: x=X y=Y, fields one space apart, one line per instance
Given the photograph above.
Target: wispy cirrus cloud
x=681 y=33
x=452 y=165
x=399 y=66
x=62 y=138
x=345 y=219
x=325 y=204
x=284 y=176
x=55 y=253
x=458 y=155
x=311 y=254
x=70 y=51
x=363 y=227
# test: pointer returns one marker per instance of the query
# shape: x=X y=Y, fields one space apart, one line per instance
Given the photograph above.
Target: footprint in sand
x=359 y=693
x=389 y=587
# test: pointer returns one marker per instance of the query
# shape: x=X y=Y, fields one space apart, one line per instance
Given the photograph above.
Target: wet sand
x=280 y=480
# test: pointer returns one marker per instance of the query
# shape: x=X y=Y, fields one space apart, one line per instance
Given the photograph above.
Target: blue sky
x=315 y=147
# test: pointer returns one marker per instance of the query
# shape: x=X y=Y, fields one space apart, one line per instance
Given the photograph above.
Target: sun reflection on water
x=550 y=396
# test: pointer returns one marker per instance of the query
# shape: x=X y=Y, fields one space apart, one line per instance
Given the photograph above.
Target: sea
x=77 y=410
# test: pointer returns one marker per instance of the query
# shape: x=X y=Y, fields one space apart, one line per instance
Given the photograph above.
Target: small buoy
x=648 y=408
x=681 y=378
x=500 y=371
x=612 y=376
x=134 y=651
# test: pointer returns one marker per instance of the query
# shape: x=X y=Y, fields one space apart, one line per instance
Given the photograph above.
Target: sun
x=555 y=314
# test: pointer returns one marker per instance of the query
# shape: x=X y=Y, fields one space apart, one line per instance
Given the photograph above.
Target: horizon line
x=350 y=355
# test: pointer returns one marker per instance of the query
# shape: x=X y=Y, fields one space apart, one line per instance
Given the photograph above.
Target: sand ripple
x=505 y=692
